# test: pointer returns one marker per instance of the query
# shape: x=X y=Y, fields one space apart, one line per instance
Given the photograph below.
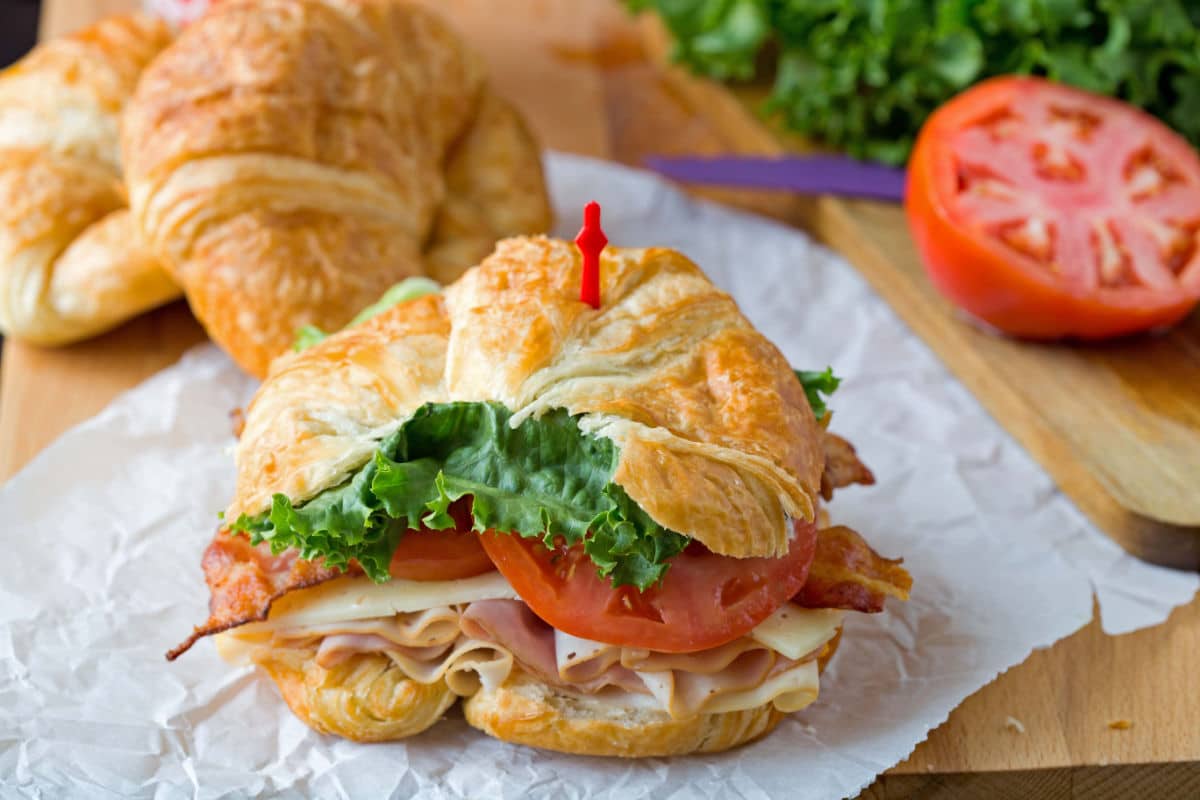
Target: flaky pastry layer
x=71 y=264
x=716 y=436
x=289 y=161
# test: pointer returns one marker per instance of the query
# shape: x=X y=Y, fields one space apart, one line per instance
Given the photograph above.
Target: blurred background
x=18 y=28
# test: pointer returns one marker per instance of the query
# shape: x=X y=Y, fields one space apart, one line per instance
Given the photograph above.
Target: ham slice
x=684 y=694
x=511 y=625
x=336 y=648
x=427 y=646
x=684 y=684
x=244 y=581
x=431 y=627
x=480 y=643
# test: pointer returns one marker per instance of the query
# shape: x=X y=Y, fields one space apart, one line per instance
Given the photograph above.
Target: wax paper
x=103 y=533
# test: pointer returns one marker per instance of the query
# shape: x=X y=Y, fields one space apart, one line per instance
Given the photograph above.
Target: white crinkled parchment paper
x=103 y=533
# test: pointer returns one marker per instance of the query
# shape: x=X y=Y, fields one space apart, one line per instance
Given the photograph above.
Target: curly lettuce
x=544 y=478
x=863 y=76
x=404 y=291
x=818 y=387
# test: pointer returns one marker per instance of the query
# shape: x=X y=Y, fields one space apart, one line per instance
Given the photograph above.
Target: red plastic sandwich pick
x=591 y=241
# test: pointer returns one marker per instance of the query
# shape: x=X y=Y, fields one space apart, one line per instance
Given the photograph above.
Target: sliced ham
x=685 y=694
x=475 y=640
x=702 y=662
x=338 y=647
x=427 y=646
x=511 y=625
x=685 y=684
x=479 y=644
x=414 y=630
x=245 y=580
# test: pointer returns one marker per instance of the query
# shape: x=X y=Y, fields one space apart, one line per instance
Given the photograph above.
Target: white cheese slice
x=354 y=597
x=795 y=631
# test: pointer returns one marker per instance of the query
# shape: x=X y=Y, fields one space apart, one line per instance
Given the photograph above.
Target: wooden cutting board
x=581 y=72
x=1117 y=424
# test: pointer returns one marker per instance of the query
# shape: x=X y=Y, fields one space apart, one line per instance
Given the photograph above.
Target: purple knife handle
x=801 y=174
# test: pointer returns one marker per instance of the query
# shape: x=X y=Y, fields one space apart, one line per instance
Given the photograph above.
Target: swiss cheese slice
x=352 y=597
x=795 y=631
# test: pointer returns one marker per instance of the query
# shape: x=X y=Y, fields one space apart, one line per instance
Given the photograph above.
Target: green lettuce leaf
x=404 y=291
x=818 y=385
x=862 y=75
x=307 y=336
x=544 y=478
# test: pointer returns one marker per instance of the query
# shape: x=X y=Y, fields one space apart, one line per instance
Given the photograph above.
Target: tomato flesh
x=429 y=555
x=703 y=601
x=1050 y=212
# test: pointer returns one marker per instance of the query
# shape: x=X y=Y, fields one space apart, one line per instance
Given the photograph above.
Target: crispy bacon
x=244 y=580
x=847 y=573
x=842 y=466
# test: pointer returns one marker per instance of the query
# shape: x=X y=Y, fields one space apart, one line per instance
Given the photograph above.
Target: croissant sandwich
x=601 y=528
x=289 y=161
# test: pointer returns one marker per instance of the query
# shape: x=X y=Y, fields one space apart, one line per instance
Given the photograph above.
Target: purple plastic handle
x=801 y=174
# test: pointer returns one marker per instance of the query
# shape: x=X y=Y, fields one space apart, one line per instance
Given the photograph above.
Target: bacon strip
x=842 y=467
x=847 y=573
x=244 y=580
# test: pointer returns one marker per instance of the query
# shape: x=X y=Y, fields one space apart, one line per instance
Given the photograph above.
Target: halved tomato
x=1050 y=212
x=703 y=601
x=429 y=555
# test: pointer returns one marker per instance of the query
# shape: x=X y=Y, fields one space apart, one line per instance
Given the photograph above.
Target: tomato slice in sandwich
x=704 y=600
x=430 y=555
x=1050 y=212
x=439 y=556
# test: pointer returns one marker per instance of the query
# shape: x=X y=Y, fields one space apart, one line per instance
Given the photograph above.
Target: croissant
x=288 y=161
x=71 y=265
x=599 y=527
x=671 y=371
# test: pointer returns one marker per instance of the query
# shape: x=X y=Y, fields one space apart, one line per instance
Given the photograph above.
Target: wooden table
x=577 y=72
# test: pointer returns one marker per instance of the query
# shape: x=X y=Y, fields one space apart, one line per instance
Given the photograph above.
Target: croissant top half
x=716 y=438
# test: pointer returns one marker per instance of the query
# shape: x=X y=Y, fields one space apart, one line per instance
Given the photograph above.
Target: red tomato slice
x=1051 y=212
x=703 y=601
x=428 y=555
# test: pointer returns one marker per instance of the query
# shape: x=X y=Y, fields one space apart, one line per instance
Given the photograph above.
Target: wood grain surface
x=1117 y=424
x=580 y=71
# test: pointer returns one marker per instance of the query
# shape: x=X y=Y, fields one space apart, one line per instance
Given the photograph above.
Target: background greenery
x=862 y=75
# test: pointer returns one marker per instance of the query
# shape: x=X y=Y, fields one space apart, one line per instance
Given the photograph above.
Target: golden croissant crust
x=366 y=698
x=288 y=161
x=716 y=436
x=525 y=711
x=71 y=264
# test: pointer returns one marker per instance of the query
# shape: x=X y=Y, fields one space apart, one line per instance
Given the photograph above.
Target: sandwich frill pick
x=598 y=522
